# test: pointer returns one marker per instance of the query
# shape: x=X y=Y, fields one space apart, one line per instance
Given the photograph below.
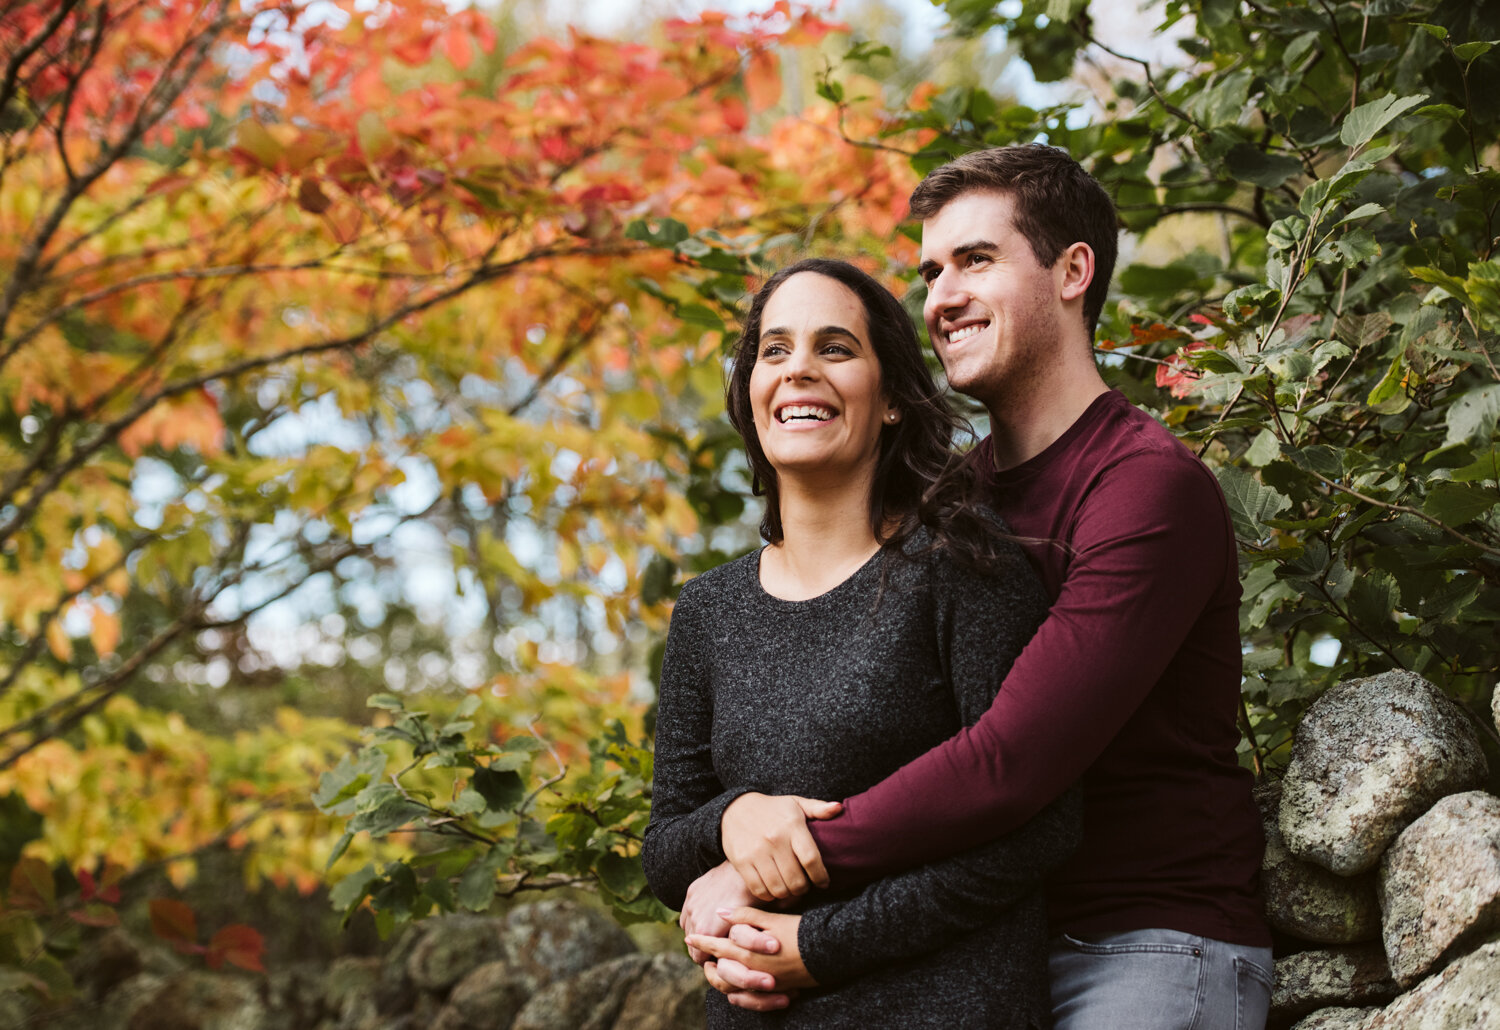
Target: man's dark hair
x=919 y=479
x=1057 y=204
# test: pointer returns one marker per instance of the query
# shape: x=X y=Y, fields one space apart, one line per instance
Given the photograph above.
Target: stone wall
x=1382 y=867
x=552 y=965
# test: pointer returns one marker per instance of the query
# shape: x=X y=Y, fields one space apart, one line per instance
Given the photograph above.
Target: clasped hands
x=751 y=954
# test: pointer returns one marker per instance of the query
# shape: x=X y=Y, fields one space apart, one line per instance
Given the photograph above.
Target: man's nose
x=946 y=293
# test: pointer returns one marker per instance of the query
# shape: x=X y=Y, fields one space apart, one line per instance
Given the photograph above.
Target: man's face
x=995 y=316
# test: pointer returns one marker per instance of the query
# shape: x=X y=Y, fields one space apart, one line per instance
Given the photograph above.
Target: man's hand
x=758 y=965
x=767 y=841
x=720 y=887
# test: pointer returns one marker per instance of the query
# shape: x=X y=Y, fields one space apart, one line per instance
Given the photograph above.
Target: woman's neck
x=825 y=537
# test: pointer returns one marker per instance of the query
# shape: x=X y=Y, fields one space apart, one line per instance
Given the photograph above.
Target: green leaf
x=502 y=790
x=476 y=888
x=1250 y=501
x=1453 y=504
x=390 y=702
x=1473 y=417
x=1264 y=449
x=621 y=876
x=668 y=232
x=1389 y=396
x=1286 y=233
x=351 y=890
x=1446 y=112
x=1467 y=52
x=390 y=813
x=697 y=314
x=1485 y=467
x=1373 y=598
x=1248 y=163
x=339 y=849
x=1368 y=119
x=1363 y=211
x=1437 y=32
x=338 y=787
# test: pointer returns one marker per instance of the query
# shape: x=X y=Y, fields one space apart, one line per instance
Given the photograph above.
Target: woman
x=864 y=633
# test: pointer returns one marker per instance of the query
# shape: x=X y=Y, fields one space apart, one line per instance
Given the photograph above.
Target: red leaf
x=176 y=924
x=239 y=945
x=95 y=915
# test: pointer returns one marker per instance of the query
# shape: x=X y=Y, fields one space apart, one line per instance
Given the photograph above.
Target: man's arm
x=911 y=914
x=1151 y=546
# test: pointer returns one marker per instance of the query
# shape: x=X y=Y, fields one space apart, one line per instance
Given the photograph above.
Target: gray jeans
x=1158 y=980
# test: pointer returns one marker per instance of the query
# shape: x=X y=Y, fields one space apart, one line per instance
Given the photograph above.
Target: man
x=1131 y=685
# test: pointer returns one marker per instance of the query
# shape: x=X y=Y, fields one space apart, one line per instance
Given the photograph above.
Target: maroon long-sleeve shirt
x=1132 y=683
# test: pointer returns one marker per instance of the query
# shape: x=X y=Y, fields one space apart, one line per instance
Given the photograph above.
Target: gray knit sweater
x=823 y=698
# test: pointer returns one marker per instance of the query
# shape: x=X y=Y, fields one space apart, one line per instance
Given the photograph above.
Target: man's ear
x=1075 y=268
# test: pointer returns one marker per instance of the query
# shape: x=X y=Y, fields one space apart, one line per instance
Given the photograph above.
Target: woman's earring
x=891 y=417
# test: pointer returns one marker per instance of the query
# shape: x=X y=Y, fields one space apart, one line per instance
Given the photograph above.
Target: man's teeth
x=792 y=411
x=966 y=331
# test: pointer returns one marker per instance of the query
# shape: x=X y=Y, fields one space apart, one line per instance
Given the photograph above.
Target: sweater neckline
x=830 y=596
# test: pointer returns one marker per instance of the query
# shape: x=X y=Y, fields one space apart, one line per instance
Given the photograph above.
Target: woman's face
x=815 y=388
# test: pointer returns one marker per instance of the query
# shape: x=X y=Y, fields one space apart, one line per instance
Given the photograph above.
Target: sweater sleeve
x=981 y=624
x=687 y=799
x=1150 y=545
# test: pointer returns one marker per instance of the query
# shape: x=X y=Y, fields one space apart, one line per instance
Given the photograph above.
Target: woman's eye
x=836 y=348
x=771 y=350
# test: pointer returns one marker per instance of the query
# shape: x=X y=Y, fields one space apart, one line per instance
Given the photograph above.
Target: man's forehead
x=972 y=216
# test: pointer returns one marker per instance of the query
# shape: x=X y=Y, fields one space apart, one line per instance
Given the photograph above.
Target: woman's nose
x=800 y=365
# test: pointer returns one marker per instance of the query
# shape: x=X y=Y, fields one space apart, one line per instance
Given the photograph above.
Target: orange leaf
x=176 y=924
x=58 y=642
x=734 y=114
x=239 y=945
x=105 y=632
x=457 y=48
x=763 y=81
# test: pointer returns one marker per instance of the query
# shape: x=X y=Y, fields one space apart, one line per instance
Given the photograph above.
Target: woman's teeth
x=792 y=411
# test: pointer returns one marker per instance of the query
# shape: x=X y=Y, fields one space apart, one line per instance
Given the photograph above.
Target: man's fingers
x=751 y=939
x=793 y=876
x=807 y=853
x=812 y=808
x=698 y=956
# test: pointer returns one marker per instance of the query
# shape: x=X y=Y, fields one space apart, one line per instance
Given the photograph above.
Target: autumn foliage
x=278 y=281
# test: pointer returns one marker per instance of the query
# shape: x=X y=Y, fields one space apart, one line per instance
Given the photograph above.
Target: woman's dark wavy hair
x=919 y=479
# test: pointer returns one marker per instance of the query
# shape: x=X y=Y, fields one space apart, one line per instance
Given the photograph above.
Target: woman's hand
x=767 y=841
x=758 y=965
x=720 y=887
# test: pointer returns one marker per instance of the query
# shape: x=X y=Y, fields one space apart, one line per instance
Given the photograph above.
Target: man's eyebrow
x=962 y=250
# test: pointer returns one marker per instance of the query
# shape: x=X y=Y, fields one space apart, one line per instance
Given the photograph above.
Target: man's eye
x=978 y=259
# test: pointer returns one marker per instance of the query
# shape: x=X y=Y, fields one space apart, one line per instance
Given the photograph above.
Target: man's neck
x=1023 y=427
